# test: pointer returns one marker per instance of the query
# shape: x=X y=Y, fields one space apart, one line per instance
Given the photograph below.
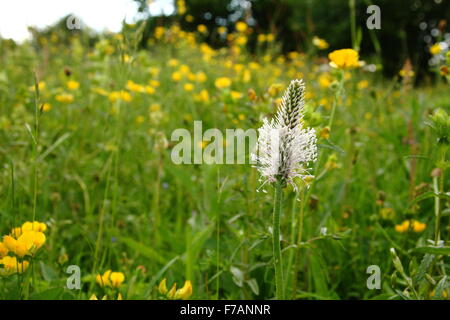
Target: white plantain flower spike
x=285 y=148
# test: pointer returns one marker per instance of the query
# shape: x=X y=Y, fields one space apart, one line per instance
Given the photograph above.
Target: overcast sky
x=16 y=16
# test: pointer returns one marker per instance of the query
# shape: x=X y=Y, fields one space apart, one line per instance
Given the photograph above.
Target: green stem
x=438 y=186
x=276 y=241
x=298 y=242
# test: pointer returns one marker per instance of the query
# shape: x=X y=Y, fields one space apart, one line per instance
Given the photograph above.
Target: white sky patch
x=101 y=15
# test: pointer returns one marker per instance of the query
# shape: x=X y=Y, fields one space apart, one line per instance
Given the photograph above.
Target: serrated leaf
x=424 y=266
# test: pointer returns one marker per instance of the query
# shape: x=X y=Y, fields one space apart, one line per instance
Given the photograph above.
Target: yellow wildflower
x=3 y=250
x=363 y=84
x=202 y=28
x=202 y=96
x=188 y=87
x=172 y=291
x=320 y=43
x=120 y=95
x=162 y=288
x=405 y=226
x=73 y=85
x=185 y=292
x=418 y=226
x=435 y=49
x=64 y=98
x=116 y=278
x=236 y=95
x=221 y=30
x=261 y=37
x=172 y=63
x=201 y=76
x=404 y=73
x=241 y=26
x=344 y=58
x=104 y=280
x=222 y=82
x=324 y=80
x=12 y=266
x=134 y=87
x=46 y=107
x=176 y=76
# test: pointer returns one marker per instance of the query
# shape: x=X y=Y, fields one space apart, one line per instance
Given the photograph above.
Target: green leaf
x=237 y=275
x=433 y=250
x=48 y=273
x=253 y=284
x=424 y=266
x=142 y=249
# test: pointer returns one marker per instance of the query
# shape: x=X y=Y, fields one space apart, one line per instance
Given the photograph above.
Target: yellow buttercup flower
x=236 y=95
x=73 y=85
x=64 y=98
x=320 y=43
x=176 y=76
x=185 y=292
x=275 y=89
x=203 y=96
x=3 y=250
x=154 y=83
x=110 y=279
x=27 y=242
x=188 y=87
x=363 y=84
x=34 y=226
x=12 y=266
x=413 y=225
x=201 y=76
x=120 y=95
x=241 y=26
x=406 y=73
x=162 y=288
x=418 y=226
x=261 y=37
x=222 y=82
x=221 y=30
x=46 y=107
x=134 y=87
x=324 y=80
x=103 y=280
x=41 y=86
x=344 y=59
x=435 y=49
x=149 y=90
x=202 y=28
x=172 y=291
x=116 y=278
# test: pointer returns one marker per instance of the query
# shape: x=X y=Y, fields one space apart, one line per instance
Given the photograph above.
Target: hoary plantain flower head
x=285 y=148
